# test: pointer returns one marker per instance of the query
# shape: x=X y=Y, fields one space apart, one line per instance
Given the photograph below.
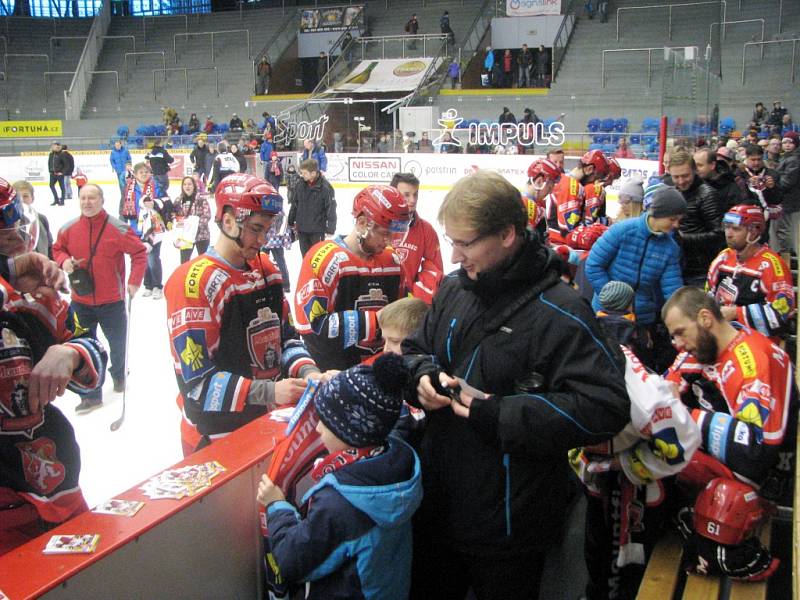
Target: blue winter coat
x=318 y=154
x=355 y=541
x=488 y=62
x=120 y=158
x=266 y=151
x=648 y=262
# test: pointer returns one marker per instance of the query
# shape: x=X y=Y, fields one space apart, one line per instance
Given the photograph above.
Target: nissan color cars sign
x=528 y=8
x=373 y=169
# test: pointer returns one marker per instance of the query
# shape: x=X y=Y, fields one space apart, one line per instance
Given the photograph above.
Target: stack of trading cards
x=122 y=508
x=186 y=481
x=72 y=544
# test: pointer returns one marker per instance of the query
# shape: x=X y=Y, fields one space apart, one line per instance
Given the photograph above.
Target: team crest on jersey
x=43 y=471
x=401 y=253
x=264 y=340
x=15 y=367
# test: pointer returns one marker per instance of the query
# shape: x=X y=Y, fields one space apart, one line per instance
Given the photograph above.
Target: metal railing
x=121 y=37
x=65 y=37
x=287 y=29
x=75 y=96
x=8 y=18
x=475 y=32
x=144 y=22
x=670 y=7
x=403 y=39
x=762 y=44
x=46 y=74
x=560 y=42
x=5 y=43
x=186 y=77
x=116 y=79
x=158 y=52
x=726 y=23
x=12 y=55
x=210 y=33
x=649 y=59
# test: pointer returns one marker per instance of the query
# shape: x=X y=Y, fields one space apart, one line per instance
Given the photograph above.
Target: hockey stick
x=116 y=424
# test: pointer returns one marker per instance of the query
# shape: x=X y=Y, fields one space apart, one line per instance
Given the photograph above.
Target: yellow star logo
x=192 y=354
x=317 y=311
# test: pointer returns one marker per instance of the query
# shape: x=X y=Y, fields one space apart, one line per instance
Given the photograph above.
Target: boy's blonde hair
x=405 y=315
x=23 y=186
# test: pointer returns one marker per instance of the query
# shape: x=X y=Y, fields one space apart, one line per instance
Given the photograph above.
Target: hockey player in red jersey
x=236 y=353
x=751 y=283
x=418 y=249
x=594 y=193
x=41 y=354
x=344 y=282
x=543 y=175
x=739 y=387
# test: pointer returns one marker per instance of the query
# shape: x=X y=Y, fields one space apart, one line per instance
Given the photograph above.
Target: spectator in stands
x=751 y=137
x=267 y=125
x=425 y=144
x=760 y=184
x=412 y=27
x=121 y=163
x=209 y=125
x=642 y=253
x=198 y=158
x=240 y=158
x=507 y=117
x=789 y=185
x=602 y=8
x=542 y=61
x=508 y=62
x=346 y=48
x=263 y=76
x=454 y=73
x=168 y=115
x=524 y=65
x=760 y=115
x=776 y=116
x=44 y=242
x=160 y=160
x=235 y=123
x=488 y=63
x=715 y=170
x=273 y=171
x=444 y=25
x=314 y=149
x=700 y=234
x=69 y=169
x=623 y=150
x=383 y=144
x=55 y=166
x=788 y=125
x=449 y=145
x=192 y=204
x=194 y=124
x=772 y=153
x=313 y=211
x=250 y=128
x=322 y=67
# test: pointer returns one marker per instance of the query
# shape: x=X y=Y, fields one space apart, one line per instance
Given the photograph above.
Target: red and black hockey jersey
x=337 y=300
x=421 y=259
x=760 y=287
x=228 y=327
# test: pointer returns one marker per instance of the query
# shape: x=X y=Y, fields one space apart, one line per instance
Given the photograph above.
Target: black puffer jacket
x=700 y=234
x=498 y=481
x=789 y=171
x=727 y=189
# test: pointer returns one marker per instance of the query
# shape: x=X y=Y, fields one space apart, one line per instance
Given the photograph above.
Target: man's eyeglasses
x=462 y=245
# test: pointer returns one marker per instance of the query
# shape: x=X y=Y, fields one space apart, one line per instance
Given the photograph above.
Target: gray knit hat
x=616 y=295
x=633 y=189
x=667 y=202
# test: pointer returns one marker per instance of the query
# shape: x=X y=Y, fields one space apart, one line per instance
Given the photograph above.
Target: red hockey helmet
x=614 y=171
x=384 y=206
x=598 y=160
x=727 y=511
x=10 y=205
x=246 y=194
x=544 y=167
x=746 y=215
x=19 y=223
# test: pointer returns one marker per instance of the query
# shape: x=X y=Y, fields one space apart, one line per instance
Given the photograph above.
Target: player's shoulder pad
x=204 y=276
x=778 y=266
x=323 y=254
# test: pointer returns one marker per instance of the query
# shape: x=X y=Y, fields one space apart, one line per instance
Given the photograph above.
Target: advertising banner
x=24 y=129
x=528 y=8
x=389 y=75
x=328 y=19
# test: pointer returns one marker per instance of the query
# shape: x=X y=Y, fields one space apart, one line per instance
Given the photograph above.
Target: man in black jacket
x=198 y=157
x=789 y=185
x=715 y=170
x=55 y=166
x=313 y=211
x=160 y=160
x=700 y=234
x=69 y=168
x=496 y=482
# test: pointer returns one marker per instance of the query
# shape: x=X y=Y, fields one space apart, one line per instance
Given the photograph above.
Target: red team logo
x=43 y=471
x=264 y=341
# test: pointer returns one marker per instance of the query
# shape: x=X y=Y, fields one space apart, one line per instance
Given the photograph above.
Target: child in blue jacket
x=355 y=540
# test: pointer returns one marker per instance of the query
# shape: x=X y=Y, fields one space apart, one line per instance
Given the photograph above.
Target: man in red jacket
x=91 y=249
x=418 y=249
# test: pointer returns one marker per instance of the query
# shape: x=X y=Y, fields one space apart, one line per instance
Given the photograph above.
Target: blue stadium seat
x=650 y=124
x=593 y=125
x=607 y=125
x=635 y=138
x=123 y=131
x=595 y=146
x=621 y=125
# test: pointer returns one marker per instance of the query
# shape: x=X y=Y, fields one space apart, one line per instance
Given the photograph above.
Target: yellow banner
x=22 y=129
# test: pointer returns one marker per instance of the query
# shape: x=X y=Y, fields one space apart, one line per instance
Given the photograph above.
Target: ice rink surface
x=149 y=439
